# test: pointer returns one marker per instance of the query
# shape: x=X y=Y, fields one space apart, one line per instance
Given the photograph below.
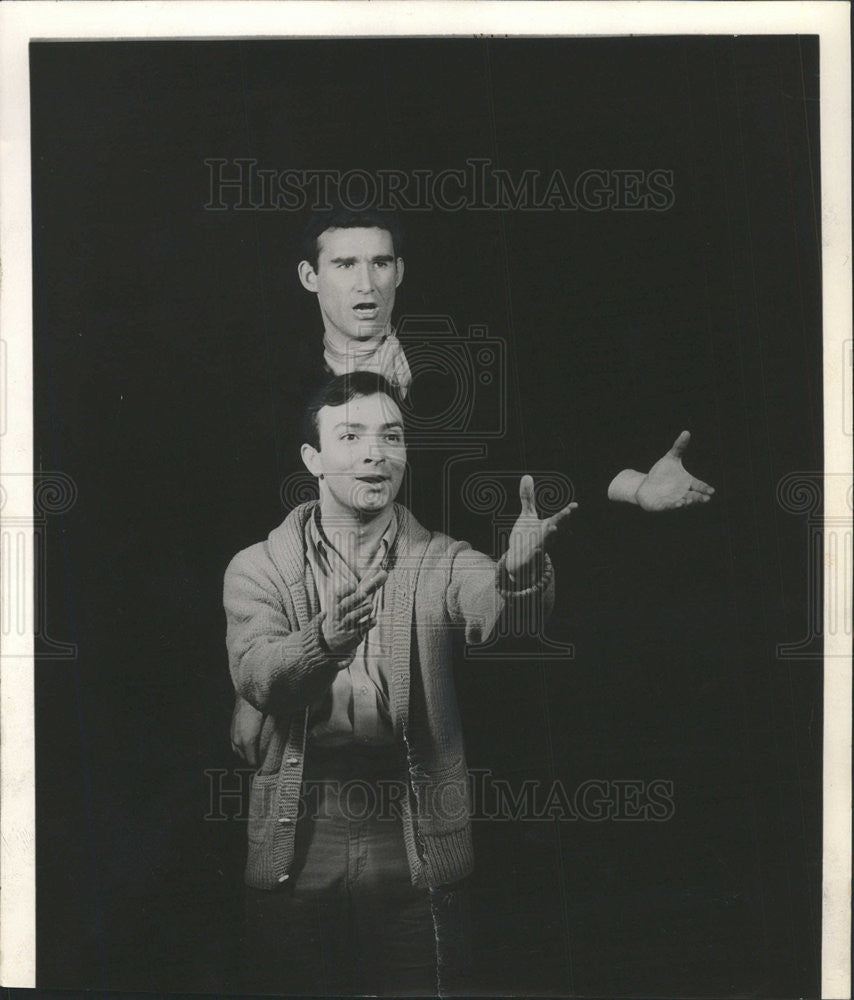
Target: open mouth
x=366 y=310
x=373 y=480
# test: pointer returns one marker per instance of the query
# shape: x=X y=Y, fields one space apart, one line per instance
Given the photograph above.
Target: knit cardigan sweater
x=280 y=664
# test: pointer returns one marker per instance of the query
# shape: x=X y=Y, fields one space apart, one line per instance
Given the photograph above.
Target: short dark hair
x=345 y=218
x=341 y=389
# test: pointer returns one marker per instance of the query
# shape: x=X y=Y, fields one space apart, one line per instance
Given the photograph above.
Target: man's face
x=355 y=281
x=362 y=455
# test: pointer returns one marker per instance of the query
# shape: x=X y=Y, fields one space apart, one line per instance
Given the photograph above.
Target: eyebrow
x=381 y=257
x=361 y=427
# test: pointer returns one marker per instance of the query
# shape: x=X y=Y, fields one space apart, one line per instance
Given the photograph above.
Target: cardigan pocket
x=442 y=796
x=262 y=807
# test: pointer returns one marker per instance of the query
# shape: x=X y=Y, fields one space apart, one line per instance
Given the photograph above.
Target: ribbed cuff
x=508 y=589
x=449 y=857
x=315 y=653
x=337 y=661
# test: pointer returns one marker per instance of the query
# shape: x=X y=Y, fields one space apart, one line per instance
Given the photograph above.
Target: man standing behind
x=352 y=262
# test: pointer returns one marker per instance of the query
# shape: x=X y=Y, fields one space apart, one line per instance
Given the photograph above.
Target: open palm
x=668 y=485
x=530 y=533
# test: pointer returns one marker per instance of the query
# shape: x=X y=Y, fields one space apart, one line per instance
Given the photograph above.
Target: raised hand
x=529 y=535
x=668 y=485
x=352 y=616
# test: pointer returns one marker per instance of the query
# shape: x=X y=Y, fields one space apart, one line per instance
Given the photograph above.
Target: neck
x=340 y=343
x=353 y=529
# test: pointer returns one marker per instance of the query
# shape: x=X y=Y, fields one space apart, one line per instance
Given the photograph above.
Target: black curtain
x=171 y=346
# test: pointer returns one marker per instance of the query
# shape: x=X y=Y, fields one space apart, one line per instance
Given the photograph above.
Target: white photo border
x=22 y=21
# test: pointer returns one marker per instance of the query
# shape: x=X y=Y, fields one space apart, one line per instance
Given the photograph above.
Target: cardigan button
x=293 y=761
x=284 y=878
x=285 y=819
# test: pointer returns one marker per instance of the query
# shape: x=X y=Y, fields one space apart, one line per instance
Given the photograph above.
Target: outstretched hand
x=529 y=535
x=668 y=485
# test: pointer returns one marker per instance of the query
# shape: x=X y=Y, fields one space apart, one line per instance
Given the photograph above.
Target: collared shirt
x=355 y=709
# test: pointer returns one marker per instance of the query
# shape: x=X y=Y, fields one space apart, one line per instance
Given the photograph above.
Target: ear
x=311 y=460
x=308 y=276
x=399 y=272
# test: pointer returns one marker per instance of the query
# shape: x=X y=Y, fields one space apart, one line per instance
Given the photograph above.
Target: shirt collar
x=329 y=553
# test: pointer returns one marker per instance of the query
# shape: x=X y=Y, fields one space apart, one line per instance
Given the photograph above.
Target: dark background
x=170 y=344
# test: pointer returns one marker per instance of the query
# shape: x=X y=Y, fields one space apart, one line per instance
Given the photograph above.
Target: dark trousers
x=349 y=921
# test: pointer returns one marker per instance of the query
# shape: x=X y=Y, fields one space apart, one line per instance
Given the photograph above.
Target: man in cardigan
x=341 y=632
x=352 y=261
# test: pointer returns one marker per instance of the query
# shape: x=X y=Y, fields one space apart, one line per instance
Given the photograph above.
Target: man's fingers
x=246 y=751
x=372 y=582
x=556 y=520
x=342 y=591
x=364 y=591
x=700 y=487
x=680 y=444
x=692 y=497
x=357 y=614
x=352 y=600
x=526 y=495
x=363 y=625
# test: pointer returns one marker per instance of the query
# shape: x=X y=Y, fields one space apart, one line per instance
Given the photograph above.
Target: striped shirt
x=355 y=709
